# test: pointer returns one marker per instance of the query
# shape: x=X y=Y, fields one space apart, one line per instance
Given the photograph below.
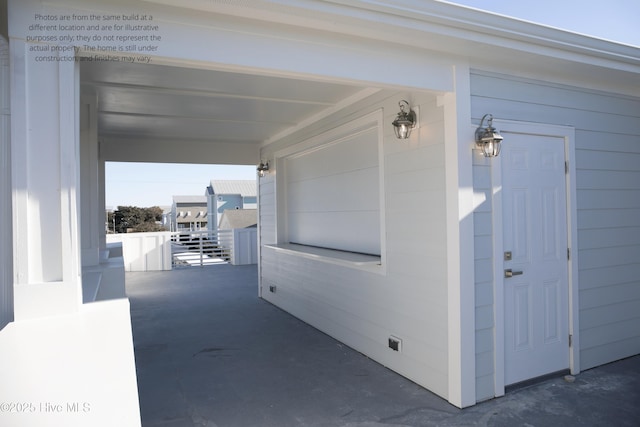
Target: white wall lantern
x=488 y=139
x=263 y=168
x=405 y=121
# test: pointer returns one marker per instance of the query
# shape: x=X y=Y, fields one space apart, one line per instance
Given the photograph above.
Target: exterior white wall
x=245 y=246
x=408 y=299
x=6 y=242
x=144 y=251
x=484 y=278
x=607 y=163
x=334 y=192
x=267 y=229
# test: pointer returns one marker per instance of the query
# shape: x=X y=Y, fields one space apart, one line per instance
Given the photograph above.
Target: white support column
x=460 y=255
x=92 y=220
x=102 y=209
x=45 y=159
x=6 y=244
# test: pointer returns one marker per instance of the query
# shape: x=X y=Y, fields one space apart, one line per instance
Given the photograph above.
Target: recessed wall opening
x=333 y=195
x=331 y=203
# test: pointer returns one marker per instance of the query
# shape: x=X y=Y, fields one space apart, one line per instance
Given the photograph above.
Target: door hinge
x=566 y=167
x=568 y=254
x=570 y=340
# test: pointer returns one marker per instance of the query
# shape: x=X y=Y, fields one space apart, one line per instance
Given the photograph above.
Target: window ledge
x=334 y=256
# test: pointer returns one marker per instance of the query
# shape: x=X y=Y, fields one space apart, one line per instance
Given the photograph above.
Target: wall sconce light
x=405 y=121
x=488 y=139
x=263 y=168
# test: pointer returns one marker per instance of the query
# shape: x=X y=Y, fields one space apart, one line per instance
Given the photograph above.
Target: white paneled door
x=536 y=256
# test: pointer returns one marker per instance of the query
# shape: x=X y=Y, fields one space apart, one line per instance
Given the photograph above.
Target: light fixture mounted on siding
x=263 y=168
x=405 y=121
x=488 y=139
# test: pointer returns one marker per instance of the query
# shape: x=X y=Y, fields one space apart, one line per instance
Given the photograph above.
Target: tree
x=135 y=219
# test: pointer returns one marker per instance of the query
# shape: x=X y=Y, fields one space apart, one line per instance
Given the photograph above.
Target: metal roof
x=189 y=199
x=246 y=188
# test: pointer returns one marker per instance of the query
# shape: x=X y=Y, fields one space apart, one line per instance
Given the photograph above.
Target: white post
x=460 y=255
x=102 y=211
x=6 y=244
x=45 y=159
x=201 y=249
x=92 y=218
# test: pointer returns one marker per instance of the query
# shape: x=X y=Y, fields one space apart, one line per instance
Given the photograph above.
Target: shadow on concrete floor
x=210 y=353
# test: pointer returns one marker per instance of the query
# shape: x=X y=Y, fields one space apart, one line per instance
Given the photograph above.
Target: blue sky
x=154 y=184
x=147 y=184
x=615 y=20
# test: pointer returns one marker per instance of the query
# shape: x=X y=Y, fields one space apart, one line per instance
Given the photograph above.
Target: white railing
x=164 y=250
x=201 y=247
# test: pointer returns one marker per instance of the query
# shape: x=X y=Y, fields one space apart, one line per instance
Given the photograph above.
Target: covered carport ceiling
x=165 y=113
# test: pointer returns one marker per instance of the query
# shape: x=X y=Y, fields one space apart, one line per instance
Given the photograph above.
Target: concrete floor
x=210 y=353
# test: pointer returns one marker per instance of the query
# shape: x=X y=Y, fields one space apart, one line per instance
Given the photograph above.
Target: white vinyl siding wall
x=607 y=141
x=333 y=194
x=407 y=298
x=267 y=209
x=484 y=277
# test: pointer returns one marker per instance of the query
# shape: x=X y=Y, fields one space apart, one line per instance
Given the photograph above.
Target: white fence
x=245 y=246
x=164 y=250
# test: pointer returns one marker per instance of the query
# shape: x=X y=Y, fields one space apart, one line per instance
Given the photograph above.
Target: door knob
x=510 y=273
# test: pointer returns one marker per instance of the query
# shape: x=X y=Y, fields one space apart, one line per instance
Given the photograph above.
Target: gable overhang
x=453 y=31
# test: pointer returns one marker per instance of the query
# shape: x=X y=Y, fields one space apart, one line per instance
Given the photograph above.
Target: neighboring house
x=461 y=272
x=167 y=215
x=223 y=195
x=238 y=218
x=189 y=213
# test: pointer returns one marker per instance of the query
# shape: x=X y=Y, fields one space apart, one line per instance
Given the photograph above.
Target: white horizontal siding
x=534 y=101
x=332 y=190
x=608 y=199
x=408 y=298
x=267 y=209
x=358 y=309
x=483 y=250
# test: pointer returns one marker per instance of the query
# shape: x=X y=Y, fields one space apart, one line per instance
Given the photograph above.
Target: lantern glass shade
x=263 y=168
x=488 y=139
x=405 y=121
x=403 y=130
x=490 y=144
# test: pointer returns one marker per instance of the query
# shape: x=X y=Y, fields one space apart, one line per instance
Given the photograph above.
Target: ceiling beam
x=198 y=93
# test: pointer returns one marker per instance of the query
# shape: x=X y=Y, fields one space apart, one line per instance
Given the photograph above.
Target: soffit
x=160 y=102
